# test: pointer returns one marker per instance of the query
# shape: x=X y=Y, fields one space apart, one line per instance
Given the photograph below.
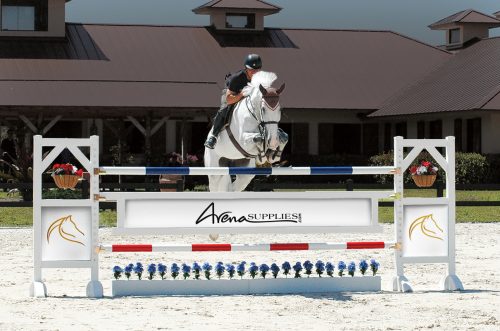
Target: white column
x=400 y=282
x=37 y=211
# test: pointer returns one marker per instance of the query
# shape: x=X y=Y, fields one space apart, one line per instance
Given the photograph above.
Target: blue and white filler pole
x=279 y=171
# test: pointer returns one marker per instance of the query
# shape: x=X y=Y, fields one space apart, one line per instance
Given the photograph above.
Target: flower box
x=245 y=286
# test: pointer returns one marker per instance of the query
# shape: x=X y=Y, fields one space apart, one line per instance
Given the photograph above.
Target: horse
x=252 y=136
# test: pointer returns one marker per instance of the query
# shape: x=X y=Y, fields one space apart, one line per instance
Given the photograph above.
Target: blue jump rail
x=277 y=171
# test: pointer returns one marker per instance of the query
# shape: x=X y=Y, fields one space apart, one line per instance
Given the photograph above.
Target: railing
x=349 y=185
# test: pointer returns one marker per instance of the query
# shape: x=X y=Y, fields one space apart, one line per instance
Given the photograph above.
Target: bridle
x=262 y=126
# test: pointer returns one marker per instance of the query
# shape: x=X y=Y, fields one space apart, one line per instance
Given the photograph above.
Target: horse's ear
x=262 y=89
x=282 y=87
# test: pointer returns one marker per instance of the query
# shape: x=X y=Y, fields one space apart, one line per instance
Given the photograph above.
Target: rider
x=231 y=95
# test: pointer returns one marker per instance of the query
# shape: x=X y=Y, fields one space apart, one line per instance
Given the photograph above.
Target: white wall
x=490 y=138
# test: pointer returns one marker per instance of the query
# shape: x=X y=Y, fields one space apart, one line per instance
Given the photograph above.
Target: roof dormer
x=32 y=18
x=238 y=15
x=464 y=27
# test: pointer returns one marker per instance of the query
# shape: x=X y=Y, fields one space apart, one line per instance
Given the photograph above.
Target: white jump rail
x=66 y=231
x=115 y=248
x=276 y=171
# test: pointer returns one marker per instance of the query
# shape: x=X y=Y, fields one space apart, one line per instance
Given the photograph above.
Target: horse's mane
x=263 y=78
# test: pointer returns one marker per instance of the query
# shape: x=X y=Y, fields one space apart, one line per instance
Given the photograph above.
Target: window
x=421 y=130
x=454 y=36
x=24 y=15
x=401 y=129
x=339 y=138
x=458 y=134
x=240 y=21
x=436 y=129
x=325 y=138
x=474 y=135
x=298 y=138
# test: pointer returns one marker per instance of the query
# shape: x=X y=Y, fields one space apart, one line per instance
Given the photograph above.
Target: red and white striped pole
x=245 y=247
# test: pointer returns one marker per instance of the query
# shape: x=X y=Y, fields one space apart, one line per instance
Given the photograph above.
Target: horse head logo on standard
x=245 y=131
x=64 y=234
x=428 y=226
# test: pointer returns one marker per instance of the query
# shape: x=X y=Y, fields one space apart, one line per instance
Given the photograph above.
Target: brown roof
x=78 y=46
x=237 y=4
x=468 y=81
x=466 y=16
x=494 y=103
x=161 y=66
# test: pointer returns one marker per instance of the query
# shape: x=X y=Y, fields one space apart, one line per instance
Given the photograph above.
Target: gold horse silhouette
x=57 y=224
x=425 y=231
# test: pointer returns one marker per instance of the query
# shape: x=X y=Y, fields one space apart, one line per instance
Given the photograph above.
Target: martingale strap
x=237 y=144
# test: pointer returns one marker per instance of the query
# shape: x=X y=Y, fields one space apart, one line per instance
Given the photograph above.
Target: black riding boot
x=220 y=121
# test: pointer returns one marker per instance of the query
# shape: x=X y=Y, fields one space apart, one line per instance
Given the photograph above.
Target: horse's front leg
x=242 y=181
x=250 y=139
x=220 y=184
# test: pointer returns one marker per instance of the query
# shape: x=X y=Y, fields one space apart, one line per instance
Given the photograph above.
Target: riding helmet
x=253 y=61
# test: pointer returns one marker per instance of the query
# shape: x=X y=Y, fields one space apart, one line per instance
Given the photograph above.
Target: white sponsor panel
x=425 y=231
x=243 y=213
x=66 y=234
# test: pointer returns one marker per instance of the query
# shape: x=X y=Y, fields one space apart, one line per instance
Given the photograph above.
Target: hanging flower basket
x=66 y=176
x=424 y=174
x=66 y=181
x=424 y=180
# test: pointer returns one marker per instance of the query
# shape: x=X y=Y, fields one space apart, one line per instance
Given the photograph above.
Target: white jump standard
x=242 y=212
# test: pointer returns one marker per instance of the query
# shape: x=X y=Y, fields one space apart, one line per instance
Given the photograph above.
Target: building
x=149 y=90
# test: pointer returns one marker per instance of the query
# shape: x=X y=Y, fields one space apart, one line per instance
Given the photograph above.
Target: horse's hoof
x=213 y=236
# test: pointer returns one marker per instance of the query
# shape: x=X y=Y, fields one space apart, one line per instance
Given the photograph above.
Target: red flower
x=413 y=169
x=56 y=165
x=79 y=173
x=426 y=163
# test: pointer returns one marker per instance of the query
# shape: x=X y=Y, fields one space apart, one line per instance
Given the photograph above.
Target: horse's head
x=271 y=115
x=265 y=102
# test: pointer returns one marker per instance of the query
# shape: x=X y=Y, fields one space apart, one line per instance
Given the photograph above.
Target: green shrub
x=471 y=168
x=383 y=160
x=57 y=193
x=494 y=168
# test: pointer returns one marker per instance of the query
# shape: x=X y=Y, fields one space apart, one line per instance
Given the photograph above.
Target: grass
x=22 y=216
x=464 y=214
